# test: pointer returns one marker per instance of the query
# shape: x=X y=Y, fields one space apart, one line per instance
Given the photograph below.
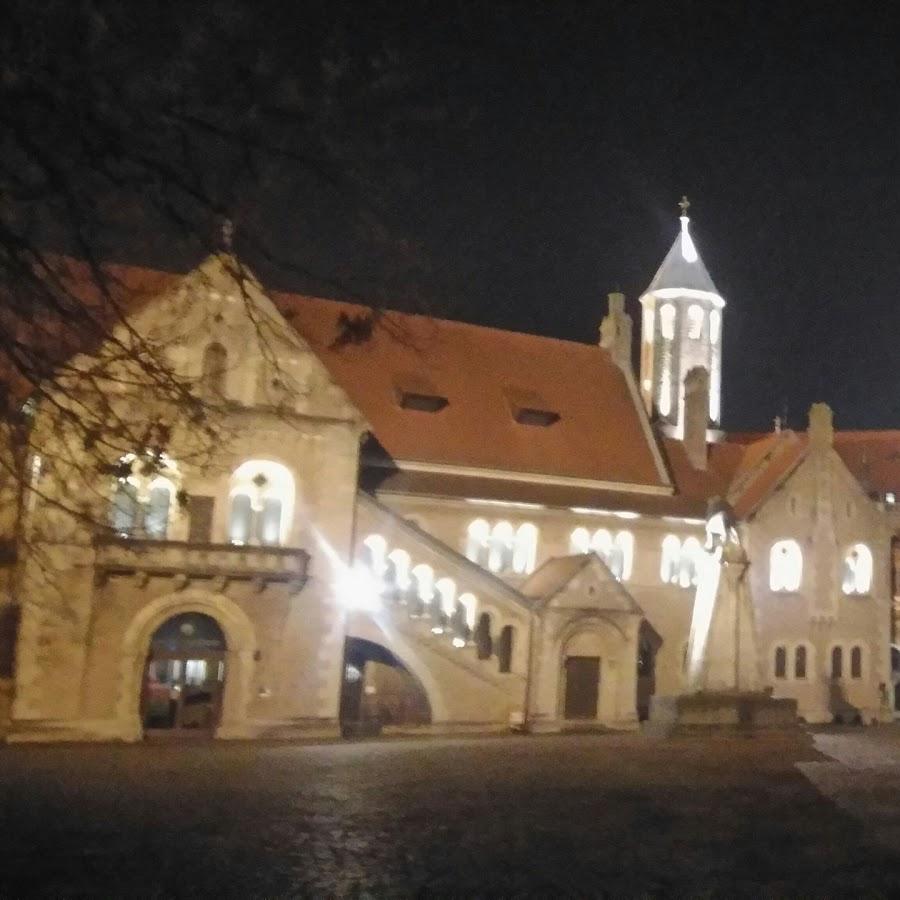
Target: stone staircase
x=442 y=639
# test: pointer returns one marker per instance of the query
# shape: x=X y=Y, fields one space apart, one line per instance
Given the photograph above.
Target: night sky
x=584 y=126
x=511 y=163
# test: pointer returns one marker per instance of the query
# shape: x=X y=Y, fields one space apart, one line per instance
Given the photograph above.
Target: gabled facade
x=412 y=523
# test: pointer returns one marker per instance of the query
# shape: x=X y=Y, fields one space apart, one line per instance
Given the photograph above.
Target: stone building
x=423 y=524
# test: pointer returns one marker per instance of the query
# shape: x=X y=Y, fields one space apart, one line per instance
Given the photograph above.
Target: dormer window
x=540 y=417
x=417 y=393
x=423 y=402
x=529 y=408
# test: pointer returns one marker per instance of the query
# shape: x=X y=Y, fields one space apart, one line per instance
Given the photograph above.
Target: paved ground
x=551 y=816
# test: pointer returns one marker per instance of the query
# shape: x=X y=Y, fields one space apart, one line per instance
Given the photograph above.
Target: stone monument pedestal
x=724 y=709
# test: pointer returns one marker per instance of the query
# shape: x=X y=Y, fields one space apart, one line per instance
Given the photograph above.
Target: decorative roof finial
x=684 y=205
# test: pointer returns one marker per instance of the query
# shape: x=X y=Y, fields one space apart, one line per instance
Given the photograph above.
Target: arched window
x=695 y=322
x=667 y=321
x=525 y=551
x=837 y=662
x=616 y=551
x=580 y=541
x=215 y=364
x=375 y=554
x=857 y=576
x=856 y=658
x=125 y=509
x=665 y=393
x=477 y=540
x=500 y=554
x=688 y=565
x=156 y=512
x=142 y=498
x=800 y=661
x=483 y=643
x=715 y=326
x=470 y=607
x=623 y=550
x=679 y=563
x=505 y=648
x=446 y=591
x=262 y=503
x=647 y=323
x=421 y=590
x=401 y=562
x=781 y=662
x=670 y=559
x=785 y=566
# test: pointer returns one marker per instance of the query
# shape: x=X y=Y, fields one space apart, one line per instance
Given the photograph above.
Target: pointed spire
x=682 y=268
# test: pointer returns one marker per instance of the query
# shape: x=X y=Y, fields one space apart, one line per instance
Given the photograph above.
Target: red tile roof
x=598 y=436
x=873 y=457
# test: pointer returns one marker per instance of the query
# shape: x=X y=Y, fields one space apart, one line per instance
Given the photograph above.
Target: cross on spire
x=684 y=205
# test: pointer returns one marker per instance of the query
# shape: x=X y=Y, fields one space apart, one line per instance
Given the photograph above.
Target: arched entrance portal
x=184 y=676
x=378 y=690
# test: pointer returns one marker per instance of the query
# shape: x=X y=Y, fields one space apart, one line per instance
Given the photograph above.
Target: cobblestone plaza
x=553 y=816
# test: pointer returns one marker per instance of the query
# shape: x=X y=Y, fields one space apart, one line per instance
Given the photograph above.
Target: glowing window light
x=785 y=566
x=858 y=567
x=695 y=322
x=271 y=491
x=670 y=559
x=715 y=326
x=477 y=540
x=501 y=547
x=688 y=250
x=376 y=547
x=470 y=605
x=665 y=393
x=689 y=562
x=525 y=551
x=667 y=321
x=423 y=575
x=446 y=590
x=580 y=541
x=647 y=324
x=400 y=559
x=623 y=554
x=715 y=387
x=602 y=543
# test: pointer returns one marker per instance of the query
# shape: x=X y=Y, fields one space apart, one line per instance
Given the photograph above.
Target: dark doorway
x=184 y=677
x=378 y=690
x=582 y=687
x=649 y=643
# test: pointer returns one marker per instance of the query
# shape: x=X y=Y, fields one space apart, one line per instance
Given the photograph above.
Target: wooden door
x=582 y=686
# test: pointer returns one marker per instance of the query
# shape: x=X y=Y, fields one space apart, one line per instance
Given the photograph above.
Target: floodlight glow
x=688 y=250
x=458 y=642
x=355 y=586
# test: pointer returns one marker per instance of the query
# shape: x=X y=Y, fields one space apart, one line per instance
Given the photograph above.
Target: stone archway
x=597 y=675
x=240 y=643
x=378 y=689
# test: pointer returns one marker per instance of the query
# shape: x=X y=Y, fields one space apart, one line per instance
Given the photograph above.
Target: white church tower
x=681 y=331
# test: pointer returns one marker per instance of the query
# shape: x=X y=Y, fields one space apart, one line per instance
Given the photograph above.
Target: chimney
x=615 y=331
x=821 y=426
x=696 y=415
